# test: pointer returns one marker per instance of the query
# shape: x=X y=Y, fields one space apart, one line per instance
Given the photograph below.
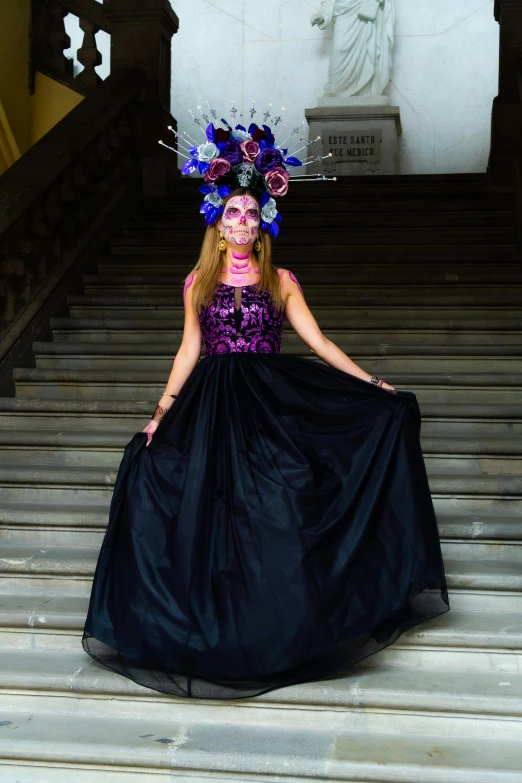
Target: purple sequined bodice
x=256 y=326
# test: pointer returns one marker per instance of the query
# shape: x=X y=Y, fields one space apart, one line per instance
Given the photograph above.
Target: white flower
x=269 y=211
x=207 y=152
x=239 y=135
x=214 y=198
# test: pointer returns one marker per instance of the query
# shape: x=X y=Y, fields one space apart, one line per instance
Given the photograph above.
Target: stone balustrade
x=50 y=41
x=51 y=195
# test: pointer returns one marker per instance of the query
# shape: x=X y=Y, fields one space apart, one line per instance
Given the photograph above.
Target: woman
x=272 y=524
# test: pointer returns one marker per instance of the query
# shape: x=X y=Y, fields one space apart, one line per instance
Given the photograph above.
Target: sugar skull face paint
x=241 y=219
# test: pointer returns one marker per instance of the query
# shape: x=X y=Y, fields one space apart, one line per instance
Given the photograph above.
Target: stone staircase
x=419 y=280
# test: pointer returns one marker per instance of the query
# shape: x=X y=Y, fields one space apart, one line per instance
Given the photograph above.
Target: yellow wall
x=24 y=118
x=50 y=102
x=14 y=57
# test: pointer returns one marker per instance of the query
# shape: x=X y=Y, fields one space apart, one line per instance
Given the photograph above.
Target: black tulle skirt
x=278 y=529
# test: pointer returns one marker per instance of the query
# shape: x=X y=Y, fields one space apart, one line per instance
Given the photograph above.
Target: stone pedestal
x=363 y=139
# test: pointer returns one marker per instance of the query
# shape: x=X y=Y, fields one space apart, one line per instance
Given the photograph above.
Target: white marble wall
x=444 y=78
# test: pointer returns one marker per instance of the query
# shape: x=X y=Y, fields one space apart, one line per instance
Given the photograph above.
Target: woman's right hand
x=150 y=429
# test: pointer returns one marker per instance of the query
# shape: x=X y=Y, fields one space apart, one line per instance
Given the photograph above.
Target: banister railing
x=51 y=195
x=50 y=40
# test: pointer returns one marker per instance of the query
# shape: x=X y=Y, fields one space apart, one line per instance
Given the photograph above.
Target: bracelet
x=160 y=410
x=376 y=381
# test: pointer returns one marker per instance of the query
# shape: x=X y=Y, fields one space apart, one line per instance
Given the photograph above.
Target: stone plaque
x=353 y=146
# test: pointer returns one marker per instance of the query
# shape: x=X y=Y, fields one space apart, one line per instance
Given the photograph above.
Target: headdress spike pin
x=278 y=119
x=173 y=149
x=294 y=131
x=317 y=158
x=205 y=116
x=309 y=144
x=178 y=138
x=198 y=122
x=211 y=110
x=189 y=137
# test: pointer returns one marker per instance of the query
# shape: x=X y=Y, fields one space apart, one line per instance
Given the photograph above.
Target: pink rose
x=250 y=150
x=218 y=167
x=277 y=181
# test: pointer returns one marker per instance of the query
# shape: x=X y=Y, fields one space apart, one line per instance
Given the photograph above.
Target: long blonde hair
x=211 y=261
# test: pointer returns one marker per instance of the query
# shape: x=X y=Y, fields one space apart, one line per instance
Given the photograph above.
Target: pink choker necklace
x=241 y=258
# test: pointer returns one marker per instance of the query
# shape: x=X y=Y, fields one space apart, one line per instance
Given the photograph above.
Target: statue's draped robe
x=360 y=62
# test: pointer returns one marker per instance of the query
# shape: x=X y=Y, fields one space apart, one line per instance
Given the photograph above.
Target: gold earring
x=257 y=245
x=222 y=242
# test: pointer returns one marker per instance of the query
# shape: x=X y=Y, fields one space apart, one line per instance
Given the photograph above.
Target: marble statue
x=363 y=40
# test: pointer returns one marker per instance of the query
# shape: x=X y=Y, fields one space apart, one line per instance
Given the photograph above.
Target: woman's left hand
x=388 y=386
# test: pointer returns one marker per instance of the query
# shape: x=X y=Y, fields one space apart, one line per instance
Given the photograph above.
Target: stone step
x=140 y=361
x=444 y=317
x=36 y=478
x=122 y=414
x=487 y=328
x=170 y=331
x=117 y=265
x=491 y=521
x=401 y=206
x=356 y=216
x=27 y=461
x=437 y=437
x=294 y=249
x=392 y=358
x=83 y=385
x=456 y=294
x=467 y=566
x=373 y=684
x=43 y=610
x=340 y=274
x=43 y=524
x=77 y=430
x=467 y=518
x=264 y=748
x=178 y=234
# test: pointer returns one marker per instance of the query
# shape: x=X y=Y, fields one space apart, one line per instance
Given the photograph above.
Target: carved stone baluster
x=88 y=55
x=58 y=40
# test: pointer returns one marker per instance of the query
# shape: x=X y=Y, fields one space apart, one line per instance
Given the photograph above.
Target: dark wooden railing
x=49 y=40
x=54 y=194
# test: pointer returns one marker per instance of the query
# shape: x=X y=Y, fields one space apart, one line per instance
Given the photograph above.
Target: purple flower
x=231 y=151
x=218 y=168
x=250 y=151
x=277 y=184
x=269 y=158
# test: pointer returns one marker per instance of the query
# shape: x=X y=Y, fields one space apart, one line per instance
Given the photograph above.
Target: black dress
x=278 y=528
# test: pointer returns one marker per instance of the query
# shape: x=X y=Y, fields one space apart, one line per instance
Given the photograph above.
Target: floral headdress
x=232 y=157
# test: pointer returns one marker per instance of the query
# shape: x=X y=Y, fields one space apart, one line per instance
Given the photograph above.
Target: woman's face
x=241 y=219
